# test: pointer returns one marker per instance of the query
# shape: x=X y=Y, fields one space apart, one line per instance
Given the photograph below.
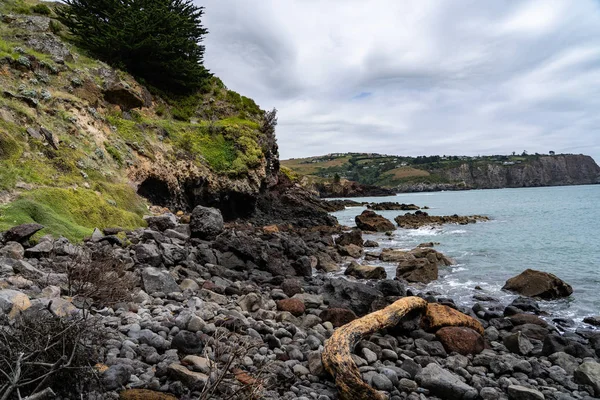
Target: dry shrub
x=42 y=354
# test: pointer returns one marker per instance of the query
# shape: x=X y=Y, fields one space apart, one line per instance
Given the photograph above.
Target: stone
x=350 y=250
x=521 y=319
x=251 y=302
x=206 y=223
x=438 y=316
x=365 y=271
x=353 y=237
x=116 y=376
x=144 y=394
x=518 y=343
x=588 y=373
x=148 y=253
x=194 y=380
x=444 y=383
x=294 y=306
x=371 y=221
x=270 y=229
x=42 y=249
x=198 y=363
x=12 y=250
x=187 y=343
x=370 y=243
x=156 y=280
x=565 y=361
x=12 y=302
x=309 y=300
x=594 y=320
x=162 y=222
x=518 y=392
x=291 y=287
x=338 y=316
x=21 y=233
x=326 y=263
x=315 y=363
x=532 y=283
x=417 y=265
x=382 y=382
x=460 y=340
x=123 y=95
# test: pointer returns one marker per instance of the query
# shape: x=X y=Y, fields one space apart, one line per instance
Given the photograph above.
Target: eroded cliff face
x=544 y=171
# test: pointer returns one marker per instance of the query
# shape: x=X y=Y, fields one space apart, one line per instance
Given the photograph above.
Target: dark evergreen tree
x=158 y=41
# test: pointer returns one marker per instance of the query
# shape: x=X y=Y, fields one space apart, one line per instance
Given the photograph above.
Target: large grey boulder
x=588 y=373
x=21 y=233
x=148 y=253
x=206 y=223
x=156 y=280
x=444 y=383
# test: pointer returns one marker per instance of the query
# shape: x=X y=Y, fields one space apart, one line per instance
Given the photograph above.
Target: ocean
x=552 y=229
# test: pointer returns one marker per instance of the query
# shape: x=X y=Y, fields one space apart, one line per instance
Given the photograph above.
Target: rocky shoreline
x=214 y=310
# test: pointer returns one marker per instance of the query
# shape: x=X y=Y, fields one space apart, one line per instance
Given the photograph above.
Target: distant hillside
x=427 y=173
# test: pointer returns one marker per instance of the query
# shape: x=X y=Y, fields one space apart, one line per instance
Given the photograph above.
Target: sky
x=415 y=77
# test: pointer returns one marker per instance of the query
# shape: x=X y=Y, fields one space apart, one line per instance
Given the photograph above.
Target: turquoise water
x=553 y=229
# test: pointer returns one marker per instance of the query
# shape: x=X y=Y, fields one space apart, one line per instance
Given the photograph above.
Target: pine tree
x=158 y=41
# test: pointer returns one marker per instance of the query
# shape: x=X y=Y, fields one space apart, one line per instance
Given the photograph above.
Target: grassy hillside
x=74 y=131
x=390 y=171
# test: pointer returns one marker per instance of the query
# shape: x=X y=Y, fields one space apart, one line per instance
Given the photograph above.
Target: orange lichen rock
x=438 y=316
x=144 y=394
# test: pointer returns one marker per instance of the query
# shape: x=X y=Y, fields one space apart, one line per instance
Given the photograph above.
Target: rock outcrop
x=371 y=221
x=421 y=218
x=540 y=284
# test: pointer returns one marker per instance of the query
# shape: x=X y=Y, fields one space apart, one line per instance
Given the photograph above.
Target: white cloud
x=417 y=76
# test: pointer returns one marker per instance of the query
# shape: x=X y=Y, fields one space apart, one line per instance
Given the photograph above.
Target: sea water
x=552 y=229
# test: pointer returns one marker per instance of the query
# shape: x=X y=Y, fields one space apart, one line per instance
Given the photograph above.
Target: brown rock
x=270 y=229
x=534 y=283
x=371 y=221
x=365 y=271
x=461 y=340
x=144 y=394
x=352 y=237
x=338 y=316
x=417 y=265
x=326 y=263
x=520 y=319
x=438 y=316
x=291 y=287
x=350 y=250
x=293 y=306
x=420 y=218
x=124 y=96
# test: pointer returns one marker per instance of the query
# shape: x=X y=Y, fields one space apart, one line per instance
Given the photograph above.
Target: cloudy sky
x=415 y=77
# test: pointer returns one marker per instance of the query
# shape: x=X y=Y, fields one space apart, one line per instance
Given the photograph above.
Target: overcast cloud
x=415 y=77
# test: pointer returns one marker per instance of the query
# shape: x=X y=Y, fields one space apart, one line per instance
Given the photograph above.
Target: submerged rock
x=534 y=283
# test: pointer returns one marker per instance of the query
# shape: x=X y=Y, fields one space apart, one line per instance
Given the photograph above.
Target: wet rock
x=417 y=265
x=421 y=218
x=371 y=221
x=595 y=320
x=156 y=280
x=21 y=233
x=353 y=237
x=338 y=316
x=350 y=250
x=460 y=340
x=365 y=271
x=444 y=383
x=206 y=223
x=534 y=283
x=370 y=243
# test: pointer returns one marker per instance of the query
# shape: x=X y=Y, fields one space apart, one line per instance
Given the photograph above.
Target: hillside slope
x=83 y=145
x=407 y=174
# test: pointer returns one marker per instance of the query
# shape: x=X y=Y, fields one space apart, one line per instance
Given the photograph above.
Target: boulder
x=12 y=302
x=444 y=383
x=326 y=263
x=206 y=223
x=365 y=271
x=518 y=343
x=460 y=340
x=356 y=296
x=421 y=218
x=148 y=253
x=194 y=380
x=162 y=222
x=187 y=342
x=42 y=249
x=294 y=306
x=588 y=373
x=540 y=284
x=291 y=287
x=21 y=233
x=350 y=250
x=371 y=221
x=417 y=265
x=337 y=316
x=116 y=376
x=438 y=316
x=121 y=94
x=353 y=237
x=156 y=280
x=12 y=250
x=370 y=243
x=594 y=320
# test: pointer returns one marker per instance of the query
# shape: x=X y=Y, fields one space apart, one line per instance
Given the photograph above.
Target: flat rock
x=195 y=380
x=517 y=392
x=371 y=221
x=22 y=232
x=365 y=271
x=156 y=280
x=444 y=383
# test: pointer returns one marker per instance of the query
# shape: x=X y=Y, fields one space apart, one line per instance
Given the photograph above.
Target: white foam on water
x=459 y=269
x=425 y=231
x=456 y=232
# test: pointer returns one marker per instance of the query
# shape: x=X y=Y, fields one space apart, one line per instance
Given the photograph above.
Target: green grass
x=74 y=213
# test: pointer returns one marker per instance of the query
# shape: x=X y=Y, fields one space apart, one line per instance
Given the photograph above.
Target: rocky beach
x=206 y=309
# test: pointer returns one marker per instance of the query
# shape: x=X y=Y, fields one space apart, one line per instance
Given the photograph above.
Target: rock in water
x=365 y=271
x=352 y=237
x=206 y=223
x=444 y=383
x=371 y=221
x=534 y=283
